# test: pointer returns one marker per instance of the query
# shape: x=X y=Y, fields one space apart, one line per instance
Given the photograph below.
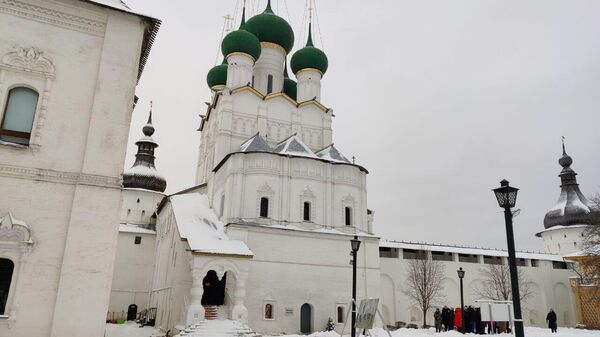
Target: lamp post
x=461 y=275
x=507 y=198
x=355 y=244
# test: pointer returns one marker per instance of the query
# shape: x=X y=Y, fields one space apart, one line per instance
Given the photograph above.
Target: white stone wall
x=66 y=185
x=291 y=268
x=134 y=269
x=288 y=183
x=139 y=205
x=551 y=288
x=172 y=279
x=563 y=240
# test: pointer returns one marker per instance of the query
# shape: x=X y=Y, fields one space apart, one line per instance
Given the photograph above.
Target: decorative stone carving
x=14 y=230
x=29 y=60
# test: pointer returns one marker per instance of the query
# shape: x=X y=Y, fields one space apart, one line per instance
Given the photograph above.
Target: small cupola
x=268 y=27
x=241 y=41
x=572 y=207
x=217 y=76
x=309 y=57
x=143 y=173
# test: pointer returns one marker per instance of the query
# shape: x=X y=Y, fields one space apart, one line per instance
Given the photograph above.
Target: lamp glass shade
x=461 y=272
x=355 y=244
x=506 y=195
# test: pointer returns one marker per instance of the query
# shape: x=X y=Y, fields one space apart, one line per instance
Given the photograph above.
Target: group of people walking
x=449 y=319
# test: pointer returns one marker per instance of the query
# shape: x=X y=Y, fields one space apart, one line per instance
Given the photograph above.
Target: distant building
x=143 y=189
x=68 y=73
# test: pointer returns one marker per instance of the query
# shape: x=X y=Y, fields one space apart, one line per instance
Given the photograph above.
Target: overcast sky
x=440 y=100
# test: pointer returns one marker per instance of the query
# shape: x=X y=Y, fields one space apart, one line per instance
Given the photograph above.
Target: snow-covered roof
x=294 y=146
x=142 y=170
x=130 y=228
x=305 y=227
x=256 y=143
x=467 y=250
x=200 y=226
x=331 y=153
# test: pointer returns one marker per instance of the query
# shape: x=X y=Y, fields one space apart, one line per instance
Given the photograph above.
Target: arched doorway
x=132 y=312
x=6 y=271
x=214 y=290
x=306 y=318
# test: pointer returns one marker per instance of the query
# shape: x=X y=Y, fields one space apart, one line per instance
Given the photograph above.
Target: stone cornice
x=61 y=177
x=57 y=14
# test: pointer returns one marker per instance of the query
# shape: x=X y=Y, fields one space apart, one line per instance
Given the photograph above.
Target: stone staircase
x=212 y=312
x=218 y=328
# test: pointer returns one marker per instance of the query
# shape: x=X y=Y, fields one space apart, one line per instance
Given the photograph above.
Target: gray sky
x=440 y=100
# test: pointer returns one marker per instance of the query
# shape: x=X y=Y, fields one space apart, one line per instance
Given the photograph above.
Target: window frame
x=264 y=311
x=348 y=215
x=10 y=286
x=19 y=134
x=269 y=84
x=137 y=240
x=306 y=211
x=264 y=207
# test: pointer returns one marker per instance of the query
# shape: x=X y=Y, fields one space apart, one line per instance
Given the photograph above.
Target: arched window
x=19 y=112
x=269 y=84
x=348 y=216
x=268 y=311
x=306 y=211
x=6 y=271
x=264 y=207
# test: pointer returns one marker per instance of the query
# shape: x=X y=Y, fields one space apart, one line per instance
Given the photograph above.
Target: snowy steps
x=219 y=328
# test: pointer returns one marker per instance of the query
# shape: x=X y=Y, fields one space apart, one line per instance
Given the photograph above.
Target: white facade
x=563 y=240
x=64 y=187
x=547 y=273
x=136 y=248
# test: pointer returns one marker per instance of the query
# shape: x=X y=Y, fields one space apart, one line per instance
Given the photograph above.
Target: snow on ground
x=131 y=329
x=529 y=332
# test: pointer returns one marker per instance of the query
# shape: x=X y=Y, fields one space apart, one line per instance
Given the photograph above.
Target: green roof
x=241 y=41
x=217 y=75
x=268 y=27
x=309 y=57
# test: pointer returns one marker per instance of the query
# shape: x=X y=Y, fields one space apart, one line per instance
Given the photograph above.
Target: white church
x=262 y=238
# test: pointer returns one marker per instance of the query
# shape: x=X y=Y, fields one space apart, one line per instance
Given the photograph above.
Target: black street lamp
x=507 y=198
x=461 y=275
x=355 y=244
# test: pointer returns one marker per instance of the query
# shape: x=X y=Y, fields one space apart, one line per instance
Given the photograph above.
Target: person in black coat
x=446 y=318
x=551 y=319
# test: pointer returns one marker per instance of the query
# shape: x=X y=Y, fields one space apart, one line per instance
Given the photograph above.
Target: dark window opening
x=307 y=211
x=535 y=263
x=388 y=252
x=269 y=84
x=264 y=207
x=441 y=256
x=348 y=216
x=340 y=314
x=492 y=259
x=268 y=311
x=521 y=262
x=137 y=240
x=413 y=254
x=471 y=258
x=19 y=113
x=6 y=271
x=559 y=265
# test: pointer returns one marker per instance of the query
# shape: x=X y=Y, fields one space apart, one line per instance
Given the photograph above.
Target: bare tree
x=589 y=267
x=424 y=283
x=496 y=284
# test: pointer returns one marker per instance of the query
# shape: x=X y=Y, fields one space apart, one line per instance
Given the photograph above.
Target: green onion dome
x=309 y=57
x=217 y=76
x=268 y=27
x=290 y=87
x=241 y=41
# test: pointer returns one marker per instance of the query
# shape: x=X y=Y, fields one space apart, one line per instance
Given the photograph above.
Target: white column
x=239 y=311
x=195 y=310
x=309 y=85
x=270 y=62
x=239 y=70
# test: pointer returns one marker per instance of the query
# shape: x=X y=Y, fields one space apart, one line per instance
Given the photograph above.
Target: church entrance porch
x=214 y=289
